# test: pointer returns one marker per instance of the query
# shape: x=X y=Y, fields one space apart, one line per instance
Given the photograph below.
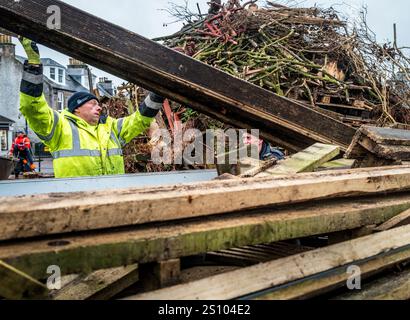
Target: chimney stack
x=76 y=63
x=107 y=85
x=7 y=48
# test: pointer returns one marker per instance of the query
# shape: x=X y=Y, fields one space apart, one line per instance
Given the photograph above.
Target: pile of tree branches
x=138 y=153
x=308 y=54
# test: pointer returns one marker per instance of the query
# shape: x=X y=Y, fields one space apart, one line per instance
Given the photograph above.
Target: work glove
x=152 y=105
x=32 y=51
x=157 y=100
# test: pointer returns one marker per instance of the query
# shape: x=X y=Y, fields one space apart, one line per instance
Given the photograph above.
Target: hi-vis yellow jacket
x=78 y=149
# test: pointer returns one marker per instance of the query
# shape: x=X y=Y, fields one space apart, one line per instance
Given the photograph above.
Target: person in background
x=266 y=151
x=22 y=146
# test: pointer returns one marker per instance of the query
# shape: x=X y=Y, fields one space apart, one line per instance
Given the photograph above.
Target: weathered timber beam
x=60 y=213
x=176 y=76
x=329 y=281
x=243 y=282
x=84 y=253
x=16 y=285
x=392 y=287
x=99 y=285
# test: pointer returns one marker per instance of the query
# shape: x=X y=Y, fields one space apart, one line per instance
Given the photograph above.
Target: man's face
x=252 y=140
x=90 y=112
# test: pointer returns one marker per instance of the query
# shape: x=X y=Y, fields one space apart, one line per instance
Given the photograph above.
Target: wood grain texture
x=29 y=216
x=391 y=287
x=158 y=242
x=254 y=279
x=335 y=279
x=305 y=161
x=99 y=285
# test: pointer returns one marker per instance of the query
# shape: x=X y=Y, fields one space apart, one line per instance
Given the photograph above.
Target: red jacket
x=21 y=142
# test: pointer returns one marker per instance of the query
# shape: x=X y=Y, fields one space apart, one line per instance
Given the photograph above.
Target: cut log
x=99 y=285
x=244 y=282
x=304 y=161
x=61 y=213
x=152 y=243
x=16 y=285
x=129 y=56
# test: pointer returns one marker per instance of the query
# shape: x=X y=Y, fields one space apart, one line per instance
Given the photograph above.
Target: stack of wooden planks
x=94 y=235
x=132 y=242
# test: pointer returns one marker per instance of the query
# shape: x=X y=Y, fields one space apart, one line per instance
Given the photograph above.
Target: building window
x=4 y=140
x=60 y=101
x=53 y=73
x=60 y=75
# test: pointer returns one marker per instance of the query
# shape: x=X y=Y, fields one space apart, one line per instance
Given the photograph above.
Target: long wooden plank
x=393 y=287
x=331 y=280
x=16 y=285
x=60 y=213
x=305 y=161
x=254 y=279
x=99 y=285
x=129 y=56
x=84 y=253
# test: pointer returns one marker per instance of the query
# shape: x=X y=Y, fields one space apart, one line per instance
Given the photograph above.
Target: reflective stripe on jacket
x=78 y=148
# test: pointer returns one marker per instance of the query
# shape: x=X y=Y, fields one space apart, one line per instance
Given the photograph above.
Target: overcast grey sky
x=146 y=18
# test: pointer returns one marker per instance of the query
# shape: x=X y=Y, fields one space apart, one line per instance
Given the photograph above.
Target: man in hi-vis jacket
x=81 y=142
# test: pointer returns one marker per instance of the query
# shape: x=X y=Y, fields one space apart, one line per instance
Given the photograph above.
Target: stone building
x=11 y=71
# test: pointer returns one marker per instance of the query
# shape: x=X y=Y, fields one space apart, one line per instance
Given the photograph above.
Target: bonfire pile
x=308 y=54
x=137 y=154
